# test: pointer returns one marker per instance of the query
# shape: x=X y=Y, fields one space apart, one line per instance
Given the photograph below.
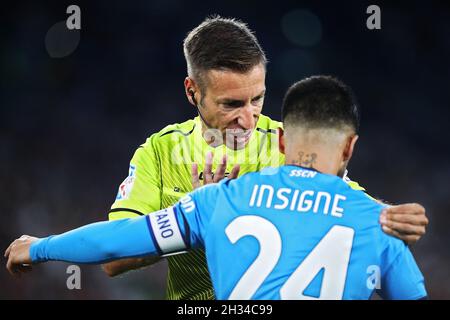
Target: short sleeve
x=140 y=192
x=401 y=279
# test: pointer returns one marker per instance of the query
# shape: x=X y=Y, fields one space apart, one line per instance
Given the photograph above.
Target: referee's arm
x=117 y=267
x=142 y=197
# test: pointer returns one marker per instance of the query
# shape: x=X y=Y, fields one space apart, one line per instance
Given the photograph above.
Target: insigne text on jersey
x=296 y=200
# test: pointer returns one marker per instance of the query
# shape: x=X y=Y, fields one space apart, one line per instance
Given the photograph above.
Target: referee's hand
x=407 y=222
x=208 y=176
x=18 y=255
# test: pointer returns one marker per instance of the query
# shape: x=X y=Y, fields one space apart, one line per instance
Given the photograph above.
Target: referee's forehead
x=229 y=84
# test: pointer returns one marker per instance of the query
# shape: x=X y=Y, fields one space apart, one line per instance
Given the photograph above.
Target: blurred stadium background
x=74 y=107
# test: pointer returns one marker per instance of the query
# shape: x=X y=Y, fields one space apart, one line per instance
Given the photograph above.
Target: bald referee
x=226 y=84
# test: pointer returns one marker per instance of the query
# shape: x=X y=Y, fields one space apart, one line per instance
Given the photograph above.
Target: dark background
x=72 y=115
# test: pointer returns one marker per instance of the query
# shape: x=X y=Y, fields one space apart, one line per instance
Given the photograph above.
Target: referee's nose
x=247 y=118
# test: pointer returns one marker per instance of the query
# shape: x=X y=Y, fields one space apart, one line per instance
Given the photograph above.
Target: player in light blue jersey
x=294 y=232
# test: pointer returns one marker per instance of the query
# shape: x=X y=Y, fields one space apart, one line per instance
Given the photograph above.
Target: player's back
x=294 y=233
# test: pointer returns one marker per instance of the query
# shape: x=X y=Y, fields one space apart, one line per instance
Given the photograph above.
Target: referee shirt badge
x=127 y=185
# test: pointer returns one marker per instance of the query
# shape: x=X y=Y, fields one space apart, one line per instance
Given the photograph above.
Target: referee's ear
x=281 y=145
x=189 y=88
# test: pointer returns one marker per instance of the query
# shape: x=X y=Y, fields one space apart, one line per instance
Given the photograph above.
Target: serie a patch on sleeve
x=166 y=232
x=127 y=185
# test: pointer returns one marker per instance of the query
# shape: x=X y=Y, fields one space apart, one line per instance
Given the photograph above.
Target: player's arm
x=93 y=243
x=169 y=231
x=401 y=279
x=407 y=222
x=141 y=194
x=117 y=267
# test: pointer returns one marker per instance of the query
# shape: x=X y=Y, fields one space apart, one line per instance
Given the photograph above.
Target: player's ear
x=349 y=147
x=189 y=89
x=281 y=145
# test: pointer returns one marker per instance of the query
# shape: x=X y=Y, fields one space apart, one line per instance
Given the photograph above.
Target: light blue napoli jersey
x=293 y=233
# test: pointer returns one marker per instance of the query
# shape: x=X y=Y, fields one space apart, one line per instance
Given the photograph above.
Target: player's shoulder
x=243 y=186
x=267 y=125
x=360 y=201
x=247 y=178
x=226 y=185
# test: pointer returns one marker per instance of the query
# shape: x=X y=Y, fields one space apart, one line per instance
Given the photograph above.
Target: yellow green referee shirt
x=160 y=174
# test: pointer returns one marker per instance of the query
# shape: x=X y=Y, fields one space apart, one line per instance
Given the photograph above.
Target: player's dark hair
x=221 y=44
x=320 y=102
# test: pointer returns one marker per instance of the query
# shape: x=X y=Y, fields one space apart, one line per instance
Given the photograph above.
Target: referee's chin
x=235 y=143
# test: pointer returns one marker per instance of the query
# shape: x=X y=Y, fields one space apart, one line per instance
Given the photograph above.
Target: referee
x=226 y=84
